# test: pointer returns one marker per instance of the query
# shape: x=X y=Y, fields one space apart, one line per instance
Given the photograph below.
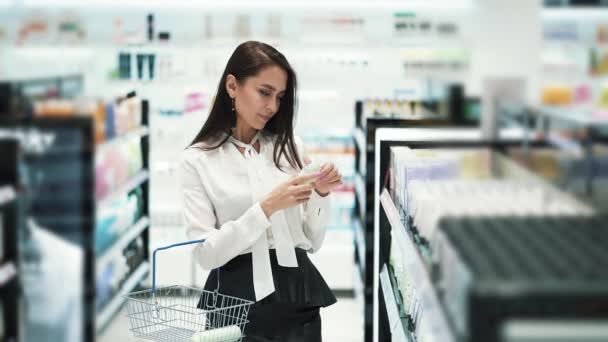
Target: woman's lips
x=264 y=117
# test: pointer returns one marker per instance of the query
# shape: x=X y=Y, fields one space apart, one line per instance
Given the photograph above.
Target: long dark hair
x=248 y=60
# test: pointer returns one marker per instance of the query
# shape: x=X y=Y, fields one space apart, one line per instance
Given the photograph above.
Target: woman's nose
x=272 y=106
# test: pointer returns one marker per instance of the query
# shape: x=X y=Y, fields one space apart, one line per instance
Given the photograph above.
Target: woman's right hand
x=295 y=191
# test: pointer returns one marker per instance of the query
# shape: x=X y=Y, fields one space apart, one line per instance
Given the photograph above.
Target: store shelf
x=119 y=140
x=359 y=234
x=116 y=249
x=436 y=322
x=7 y=195
x=580 y=116
x=141 y=177
x=398 y=331
x=157 y=83
x=358 y=288
x=107 y=313
x=359 y=137
x=361 y=195
x=363 y=163
x=8 y=271
x=567 y=145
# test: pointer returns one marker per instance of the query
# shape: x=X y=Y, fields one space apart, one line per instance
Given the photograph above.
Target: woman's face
x=258 y=99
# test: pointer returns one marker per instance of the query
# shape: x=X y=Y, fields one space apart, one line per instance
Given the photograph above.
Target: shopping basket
x=180 y=313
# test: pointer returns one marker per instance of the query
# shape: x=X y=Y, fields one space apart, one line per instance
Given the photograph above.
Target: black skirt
x=292 y=308
x=302 y=285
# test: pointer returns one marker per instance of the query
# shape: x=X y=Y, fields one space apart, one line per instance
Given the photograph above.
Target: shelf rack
x=404 y=325
x=10 y=221
x=365 y=152
x=69 y=158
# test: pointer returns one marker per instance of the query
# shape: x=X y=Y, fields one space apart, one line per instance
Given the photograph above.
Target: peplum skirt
x=291 y=313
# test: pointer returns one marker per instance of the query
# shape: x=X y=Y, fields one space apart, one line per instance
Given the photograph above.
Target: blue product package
x=103 y=232
x=110 y=128
x=103 y=286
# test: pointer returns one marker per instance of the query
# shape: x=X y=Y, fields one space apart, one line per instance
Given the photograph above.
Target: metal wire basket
x=181 y=313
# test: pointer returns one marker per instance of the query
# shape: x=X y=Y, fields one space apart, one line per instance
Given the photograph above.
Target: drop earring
x=233 y=116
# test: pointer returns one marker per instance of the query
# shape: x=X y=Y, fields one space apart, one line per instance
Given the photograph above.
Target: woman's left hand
x=329 y=179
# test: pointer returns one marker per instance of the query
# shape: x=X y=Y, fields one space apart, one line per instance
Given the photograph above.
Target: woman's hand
x=329 y=180
x=295 y=191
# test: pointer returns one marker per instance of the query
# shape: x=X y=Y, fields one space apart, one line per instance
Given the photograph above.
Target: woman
x=243 y=193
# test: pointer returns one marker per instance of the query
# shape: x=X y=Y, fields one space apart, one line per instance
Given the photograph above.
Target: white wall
x=506 y=40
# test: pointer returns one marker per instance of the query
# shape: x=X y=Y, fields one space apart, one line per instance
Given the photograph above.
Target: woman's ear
x=231 y=85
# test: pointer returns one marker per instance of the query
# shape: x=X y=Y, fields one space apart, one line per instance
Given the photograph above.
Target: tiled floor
x=342 y=322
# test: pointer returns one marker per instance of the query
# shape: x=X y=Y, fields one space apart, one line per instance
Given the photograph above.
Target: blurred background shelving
x=101 y=97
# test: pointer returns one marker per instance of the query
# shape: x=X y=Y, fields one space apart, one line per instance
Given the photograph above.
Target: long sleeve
x=222 y=244
x=317 y=210
x=316 y=218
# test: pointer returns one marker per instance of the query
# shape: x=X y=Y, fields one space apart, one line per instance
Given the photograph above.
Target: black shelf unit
x=544 y=282
x=10 y=220
x=364 y=138
x=391 y=224
x=139 y=228
x=485 y=317
x=16 y=96
x=60 y=157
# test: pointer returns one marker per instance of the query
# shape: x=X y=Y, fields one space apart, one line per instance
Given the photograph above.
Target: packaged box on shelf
x=558 y=167
x=116 y=164
x=404 y=281
x=111 y=119
x=113 y=219
x=431 y=184
x=410 y=165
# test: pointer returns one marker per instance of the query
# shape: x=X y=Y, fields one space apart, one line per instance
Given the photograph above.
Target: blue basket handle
x=162 y=249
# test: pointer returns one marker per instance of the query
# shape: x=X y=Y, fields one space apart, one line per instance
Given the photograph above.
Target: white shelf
x=133 y=183
x=442 y=133
x=358 y=289
x=575 y=115
x=119 y=140
x=7 y=272
x=107 y=313
x=116 y=249
x=583 y=14
x=398 y=331
x=571 y=146
x=272 y=5
x=7 y=195
x=359 y=136
x=360 y=191
x=430 y=307
x=363 y=163
x=359 y=235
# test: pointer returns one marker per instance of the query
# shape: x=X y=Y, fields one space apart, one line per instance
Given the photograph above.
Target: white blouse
x=221 y=190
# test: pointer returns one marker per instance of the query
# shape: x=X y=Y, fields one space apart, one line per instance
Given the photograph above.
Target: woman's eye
x=264 y=93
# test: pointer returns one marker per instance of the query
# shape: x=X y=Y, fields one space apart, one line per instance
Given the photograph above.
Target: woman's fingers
x=301 y=188
x=336 y=182
x=301 y=192
x=332 y=179
x=302 y=198
x=326 y=169
x=328 y=177
x=303 y=179
x=329 y=174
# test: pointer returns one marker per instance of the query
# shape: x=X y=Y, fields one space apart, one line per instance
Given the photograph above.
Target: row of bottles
x=395 y=108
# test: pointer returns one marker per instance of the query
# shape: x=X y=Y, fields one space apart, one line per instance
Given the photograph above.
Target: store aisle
x=341 y=322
